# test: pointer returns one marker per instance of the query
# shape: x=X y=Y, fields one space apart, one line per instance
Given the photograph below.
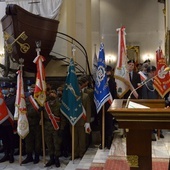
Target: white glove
x=87 y=127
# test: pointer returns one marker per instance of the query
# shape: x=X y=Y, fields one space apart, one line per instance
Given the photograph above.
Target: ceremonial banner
x=101 y=90
x=71 y=103
x=40 y=86
x=23 y=126
x=162 y=80
x=17 y=98
x=3 y=109
x=121 y=75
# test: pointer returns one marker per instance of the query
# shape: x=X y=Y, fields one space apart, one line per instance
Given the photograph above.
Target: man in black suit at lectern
x=135 y=80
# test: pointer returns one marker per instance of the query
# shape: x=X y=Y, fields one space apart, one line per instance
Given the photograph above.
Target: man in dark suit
x=135 y=80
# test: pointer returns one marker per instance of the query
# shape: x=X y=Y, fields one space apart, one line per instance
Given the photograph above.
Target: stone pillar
x=167 y=6
x=167 y=30
x=96 y=38
x=79 y=26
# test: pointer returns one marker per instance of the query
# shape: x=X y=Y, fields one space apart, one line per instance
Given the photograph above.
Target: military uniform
x=33 y=140
x=80 y=134
x=66 y=137
x=90 y=93
x=53 y=138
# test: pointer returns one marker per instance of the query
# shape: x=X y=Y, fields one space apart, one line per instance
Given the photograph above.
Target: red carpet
x=119 y=163
x=97 y=166
x=160 y=164
x=116 y=163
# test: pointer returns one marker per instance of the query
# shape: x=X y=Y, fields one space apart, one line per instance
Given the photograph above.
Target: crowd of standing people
x=144 y=73
x=57 y=128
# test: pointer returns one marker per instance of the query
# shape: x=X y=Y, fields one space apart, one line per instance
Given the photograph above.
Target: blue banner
x=71 y=104
x=101 y=90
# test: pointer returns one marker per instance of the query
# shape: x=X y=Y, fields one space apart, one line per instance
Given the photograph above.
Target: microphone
x=165 y=71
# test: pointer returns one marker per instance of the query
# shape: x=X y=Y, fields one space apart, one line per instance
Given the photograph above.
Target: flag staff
x=21 y=65
x=103 y=126
x=73 y=143
x=73 y=135
x=43 y=143
x=103 y=116
x=73 y=52
x=38 y=49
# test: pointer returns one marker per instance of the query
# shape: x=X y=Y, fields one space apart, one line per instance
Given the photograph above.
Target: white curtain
x=45 y=8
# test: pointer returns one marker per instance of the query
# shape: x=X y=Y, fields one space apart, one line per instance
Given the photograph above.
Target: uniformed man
x=12 y=89
x=54 y=123
x=66 y=137
x=33 y=139
x=59 y=93
x=83 y=124
x=6 y=128
x=12 y=92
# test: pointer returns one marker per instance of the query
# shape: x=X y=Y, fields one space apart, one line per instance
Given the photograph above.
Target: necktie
x=130 y=76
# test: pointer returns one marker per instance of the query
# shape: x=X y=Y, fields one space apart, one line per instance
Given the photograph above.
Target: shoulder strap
x=54 y=119
x=33 y=102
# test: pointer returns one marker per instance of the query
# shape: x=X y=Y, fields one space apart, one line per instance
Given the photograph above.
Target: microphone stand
x=165 y=71
x=141 y=84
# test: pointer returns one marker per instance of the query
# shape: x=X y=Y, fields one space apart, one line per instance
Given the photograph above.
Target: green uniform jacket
x=55 y=109
x=32 y=115
x=87 y=107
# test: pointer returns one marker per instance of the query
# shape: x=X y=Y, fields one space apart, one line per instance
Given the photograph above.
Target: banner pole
x=42 y=130
x=73 y=144
x=21 y=61
x=20 y=151
x=103 y=127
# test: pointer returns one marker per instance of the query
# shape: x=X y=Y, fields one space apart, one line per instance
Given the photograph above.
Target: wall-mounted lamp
x=1 y=55
x=110 y=60
x=149 y=56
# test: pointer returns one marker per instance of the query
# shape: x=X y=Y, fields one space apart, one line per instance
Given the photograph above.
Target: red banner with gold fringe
x=162 y=81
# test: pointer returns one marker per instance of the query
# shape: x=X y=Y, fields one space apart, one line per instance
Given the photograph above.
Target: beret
x=108 y=68
x=151 y=68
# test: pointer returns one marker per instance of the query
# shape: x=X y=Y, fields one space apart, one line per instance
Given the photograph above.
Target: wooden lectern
x=140 y=123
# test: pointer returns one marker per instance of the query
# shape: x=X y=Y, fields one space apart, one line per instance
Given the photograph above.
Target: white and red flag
x=40 y=86
x=21 y=110
x=121 y=75
x=143 y=77
x=162 y=80
x=17 y=98
x=3 y=109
